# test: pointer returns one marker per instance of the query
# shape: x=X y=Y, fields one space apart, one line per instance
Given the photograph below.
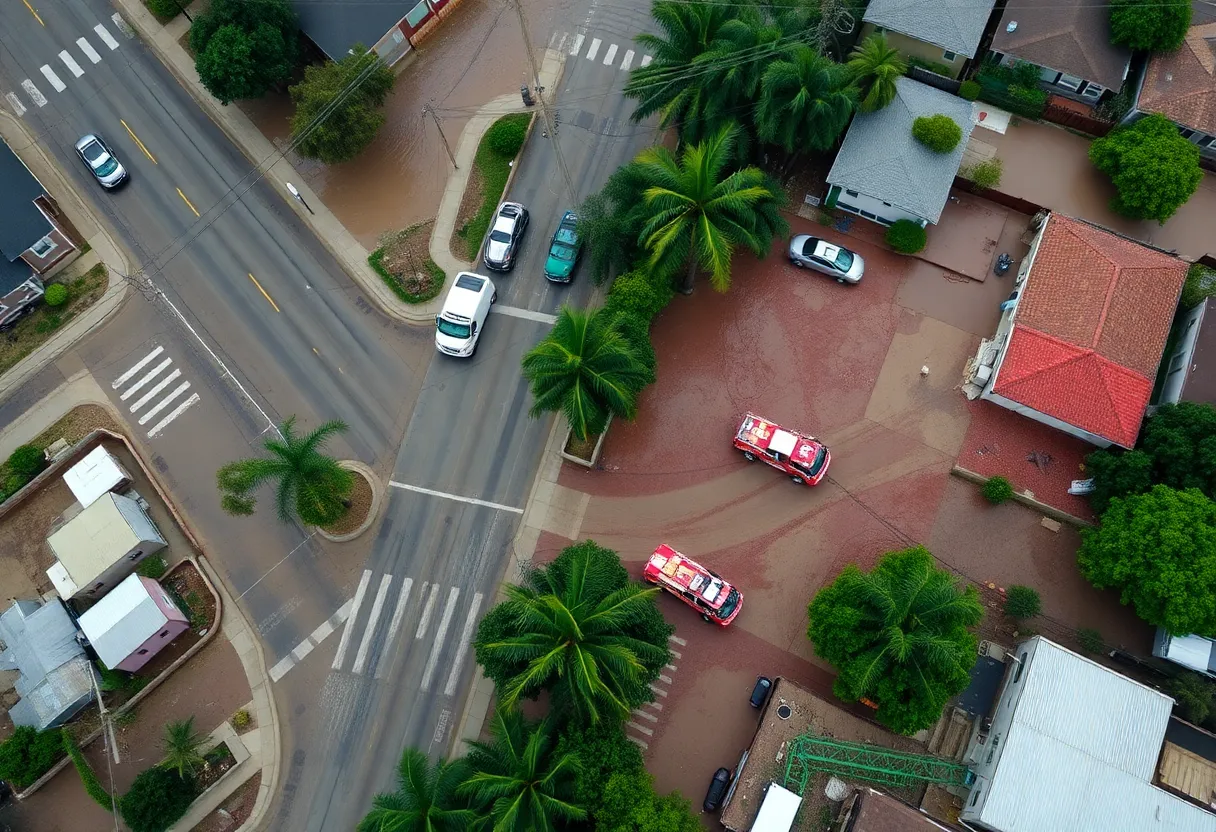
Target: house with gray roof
x=943 y=34
x=55 y=680
x=884 y=174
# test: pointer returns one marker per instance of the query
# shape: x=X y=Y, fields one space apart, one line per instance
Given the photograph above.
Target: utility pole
x=550 y=124
x=427 y=109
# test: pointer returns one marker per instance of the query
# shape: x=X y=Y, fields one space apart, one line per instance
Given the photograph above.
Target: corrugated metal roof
x=121 y=621
x=55 y=679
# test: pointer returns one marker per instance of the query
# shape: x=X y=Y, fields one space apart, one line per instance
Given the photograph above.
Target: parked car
x=101 y=161
x=801 y=456
x=459 y=324
x=717 y=790
x=700 y=588
x=760 y=692
x=564 y=250
x=807 y=252
x=505 y=237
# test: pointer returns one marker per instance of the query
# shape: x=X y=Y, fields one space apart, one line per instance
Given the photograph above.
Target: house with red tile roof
x=1080 y=340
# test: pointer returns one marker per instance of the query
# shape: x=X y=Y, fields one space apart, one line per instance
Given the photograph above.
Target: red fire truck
x=804 y=458
x=703 y=590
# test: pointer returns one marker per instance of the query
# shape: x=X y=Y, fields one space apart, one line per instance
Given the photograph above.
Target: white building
x=100 y=546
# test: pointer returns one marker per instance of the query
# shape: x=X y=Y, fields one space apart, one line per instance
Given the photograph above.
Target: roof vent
x=1011 y=26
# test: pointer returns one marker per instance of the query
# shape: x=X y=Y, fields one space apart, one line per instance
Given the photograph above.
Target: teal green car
x=563 y=251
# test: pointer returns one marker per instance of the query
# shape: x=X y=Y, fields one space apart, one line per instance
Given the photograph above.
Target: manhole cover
x=784 y=711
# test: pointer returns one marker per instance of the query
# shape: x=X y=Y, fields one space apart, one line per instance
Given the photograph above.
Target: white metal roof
x=121 y=621
x=783 y=442
x=96 y=474
x=1191 y=651
x=778 y=811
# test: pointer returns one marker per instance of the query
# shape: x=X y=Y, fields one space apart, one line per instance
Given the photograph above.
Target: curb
x=1029 y=502
x=373 y=511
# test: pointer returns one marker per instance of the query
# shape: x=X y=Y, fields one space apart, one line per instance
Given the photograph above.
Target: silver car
x=836 y=261
x=101 y=161
x=505 y=237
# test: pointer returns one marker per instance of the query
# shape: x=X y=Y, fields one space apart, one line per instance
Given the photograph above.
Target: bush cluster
x=939 y=133
x=997 y=490
x=24 y=463
x=1022 y=602
x=157 y=799
x=969 y=90
x=506 y=136
x=985 y=174
x=906 y=237
x=56 y=294
x=29 y=754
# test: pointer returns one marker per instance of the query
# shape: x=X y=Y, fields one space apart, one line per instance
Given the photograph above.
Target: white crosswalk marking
x=462 y=647
x=344 y=642
x=139 y=365
x=609 y=55
x=595 y=48
x=151 y=394
x=70 y=63
x=137 y=386
x=15 y=103
x=394 y=623
x=33 y=92
x=165 y=402
x=646 y=59
x=627 y=61
x=440 y=634
x=425 y=621
x=106 y=37
x=88 y=50
x=173 y=414
x=577 y=45
x=159 y=384
x=372 y=619
x=53 y=78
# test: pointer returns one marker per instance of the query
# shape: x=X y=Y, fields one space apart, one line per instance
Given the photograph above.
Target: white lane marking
x=456 y=497
x=440 y=635
x=654 y=705
x=578 y=44
x=122 y=25
x=33 y=92
x=637 y=741
x=526 y=314
x=15 y=103
x=106 y=37
x=70 y=63
x=627 y=61
x=151 y=374
x=344 y=642
x=306 y=646
x=675 y=654
x=394 y=623
x=377 y=606
x=177 y=411
x=425 y=621
x=647 y=731
x=609 y=55
x=678 y=640
x=88 y=50
x=646 y=59
x=151 y=394
x=670 y=667
x=663 y=678
x=302 y=650
x=552 y=38
x=462 y=646
x=143 y=362
x=658 y=690
x=644 y=715
x=53 y=78
x=165 y=402
x=281 y=667
x=595 y=47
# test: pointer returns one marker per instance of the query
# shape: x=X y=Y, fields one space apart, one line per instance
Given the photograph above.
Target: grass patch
x=404 y=263
x=34 y=329
x=495 y=170
x=76 y=425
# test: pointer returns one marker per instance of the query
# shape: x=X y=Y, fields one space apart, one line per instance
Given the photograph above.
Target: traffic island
x=404 y=263
x=487 y=182
x=366 y=498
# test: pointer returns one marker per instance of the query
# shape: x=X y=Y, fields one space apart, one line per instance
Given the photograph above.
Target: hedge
x=91 y=784
x=28 y=754
x=906 y=237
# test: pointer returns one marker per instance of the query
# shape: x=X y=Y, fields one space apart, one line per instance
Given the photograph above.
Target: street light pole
x=291 y=189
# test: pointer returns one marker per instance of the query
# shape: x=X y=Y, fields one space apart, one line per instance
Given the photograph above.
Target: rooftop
x=55 y=679
x=21 y=223
x=1181 y=85
x=123 y=619
x=877 y=811
x=956 y=25
x=337 y=25
x=1071 y=36
x=1200 y=385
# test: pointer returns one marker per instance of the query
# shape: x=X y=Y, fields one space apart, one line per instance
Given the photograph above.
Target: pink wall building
x=132 y=623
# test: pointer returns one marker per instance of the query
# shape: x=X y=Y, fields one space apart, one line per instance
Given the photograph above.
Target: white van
x=464 y=314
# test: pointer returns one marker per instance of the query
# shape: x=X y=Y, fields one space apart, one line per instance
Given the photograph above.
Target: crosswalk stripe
x=344 y=642
x=165 y=402
x=53 y=78
x=139 y=365
x=678 y=640
x=595 y=48
x=644 y=715
x=646 y=59
x=440 y=634
x=88 y=50
x=647 y=731
x=33 y=92
x=462 y=646
x=177 y=411
x=106 y=37
x=663 y=678
x=15 y=103
x=637 y=741
x=578 y=44
x=122 y=25
x=654 y=705
x=610 y=54
x=394 y=623
x=302 y=650
x=151 y=394
x=658 y=690
x=425 y=621
x=377 y=606
x=627 y=61
x=151 y=374
x=70 y=63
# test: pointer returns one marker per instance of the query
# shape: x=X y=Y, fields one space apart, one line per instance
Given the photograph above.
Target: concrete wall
x=1179 y=361
x=910 y=47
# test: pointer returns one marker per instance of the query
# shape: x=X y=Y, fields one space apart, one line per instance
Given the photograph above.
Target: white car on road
x=807 y=252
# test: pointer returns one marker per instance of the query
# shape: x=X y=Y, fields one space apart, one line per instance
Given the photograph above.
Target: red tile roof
x=1181 y=85
x=1090 y=328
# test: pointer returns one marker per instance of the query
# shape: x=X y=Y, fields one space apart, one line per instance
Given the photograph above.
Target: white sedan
x=807 y=252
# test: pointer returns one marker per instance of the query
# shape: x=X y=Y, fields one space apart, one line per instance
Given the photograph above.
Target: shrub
x=157 y=799
x=1200 y=284
x=1022 y=602
x=29 y=754
x=939 y=133
x=241 y=719
x=1091 y=640
x=56 y=294
x=634 y=293
x=985 y=174
x=1154 y=170
x=969 y=90
x=165 y=10
x=13 y=483
x=506 y=136
x=997 y=490
x=153 y=567
x=27 y=461
x=48 y=324
x=1193 y=694
x=906 y=237
x=88 y=777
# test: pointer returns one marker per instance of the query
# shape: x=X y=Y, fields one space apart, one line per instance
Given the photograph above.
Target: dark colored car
x=717 y=790
x=101 y=161
x=760 y=692
x=505 y=237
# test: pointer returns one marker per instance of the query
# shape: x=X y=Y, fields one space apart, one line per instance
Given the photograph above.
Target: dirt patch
x=404 y=263
x=33 y=330
x=235 y=810
x=470 y=203
x=193 y=596
x=581 y=448
x=360 y=505
x=216 y=763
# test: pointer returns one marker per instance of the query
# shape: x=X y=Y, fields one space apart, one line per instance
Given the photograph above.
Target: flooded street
x=475 y=54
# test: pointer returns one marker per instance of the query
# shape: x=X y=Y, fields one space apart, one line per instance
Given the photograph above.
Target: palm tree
x=425 y=801
x=579 y=628
x=181 y=745
x=806 y=102
x=876 y=67
x=588 y=367
x=309 y=483
x=519 y=778
x=696 y=213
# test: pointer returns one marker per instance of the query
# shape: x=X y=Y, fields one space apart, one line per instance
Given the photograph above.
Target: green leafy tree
x=338 y=106
x=308 y=484
x=900 y=635
x=245 y=47
x=588 y=368
x=639 y=294
x=580 y=629
x=1199 y=286
x=519 y=779
x=426 y=798
x=182 y=746
x=1194 y=694
x=156 y=800
x=631 y=804
x=28 y=754
x=806 y=101
x=1150 y=25
x=1159 y=550
x=876 y=66
x=1154 y=170
x=602 y=750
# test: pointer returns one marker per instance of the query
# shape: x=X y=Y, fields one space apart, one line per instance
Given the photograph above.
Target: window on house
x=1017 y=674
x=1069 y=82
x=1093 y=91
x=164 y=633
x=975 y=796
x=1186 y=134
x=947 y=55
x=44 y=246
x=142 y=652
x=991 y=754
x=852 y=193
x=1208 y=141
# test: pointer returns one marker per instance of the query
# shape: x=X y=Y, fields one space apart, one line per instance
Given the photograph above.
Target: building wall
x=910 y=47
x=1178 y=362
x=155 y=643
x=868 y=207
x=141 y=525
x=1061 y=83
x=1050 y=421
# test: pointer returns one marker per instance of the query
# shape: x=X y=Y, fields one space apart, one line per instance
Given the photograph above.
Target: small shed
x=56 y=679
x=97 y=474
x=132 y=623
x=100 y=546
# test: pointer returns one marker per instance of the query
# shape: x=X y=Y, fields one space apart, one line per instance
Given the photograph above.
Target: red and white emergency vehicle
x=701 y=589
x=804 y=458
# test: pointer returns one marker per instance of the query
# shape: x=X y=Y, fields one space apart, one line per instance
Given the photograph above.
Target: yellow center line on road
x=141 y=144
x=187 y=201
x=269 y=299
x=34 y=13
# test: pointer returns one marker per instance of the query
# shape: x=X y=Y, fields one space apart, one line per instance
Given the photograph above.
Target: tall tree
x=1154 y=170
x=338 y=106
x=580 y=629
x=308 y=484
x=696 y=213
x=589 y=368
x=900 y=635
x=245 y=47
x=182 y=746
x=1150 y=25
x=426 y=798
x=806 y=102
x=876 y=66
x=519 y=779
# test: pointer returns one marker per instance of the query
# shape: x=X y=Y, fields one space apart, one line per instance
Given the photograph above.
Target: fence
x=1077 y=116
x=941 y=82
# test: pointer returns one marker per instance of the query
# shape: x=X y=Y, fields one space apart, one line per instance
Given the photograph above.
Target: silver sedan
x=95 y=153
x=807 y=252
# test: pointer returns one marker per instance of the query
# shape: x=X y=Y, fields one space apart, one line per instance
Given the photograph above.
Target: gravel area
x=235 y=810
x=360 y=505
